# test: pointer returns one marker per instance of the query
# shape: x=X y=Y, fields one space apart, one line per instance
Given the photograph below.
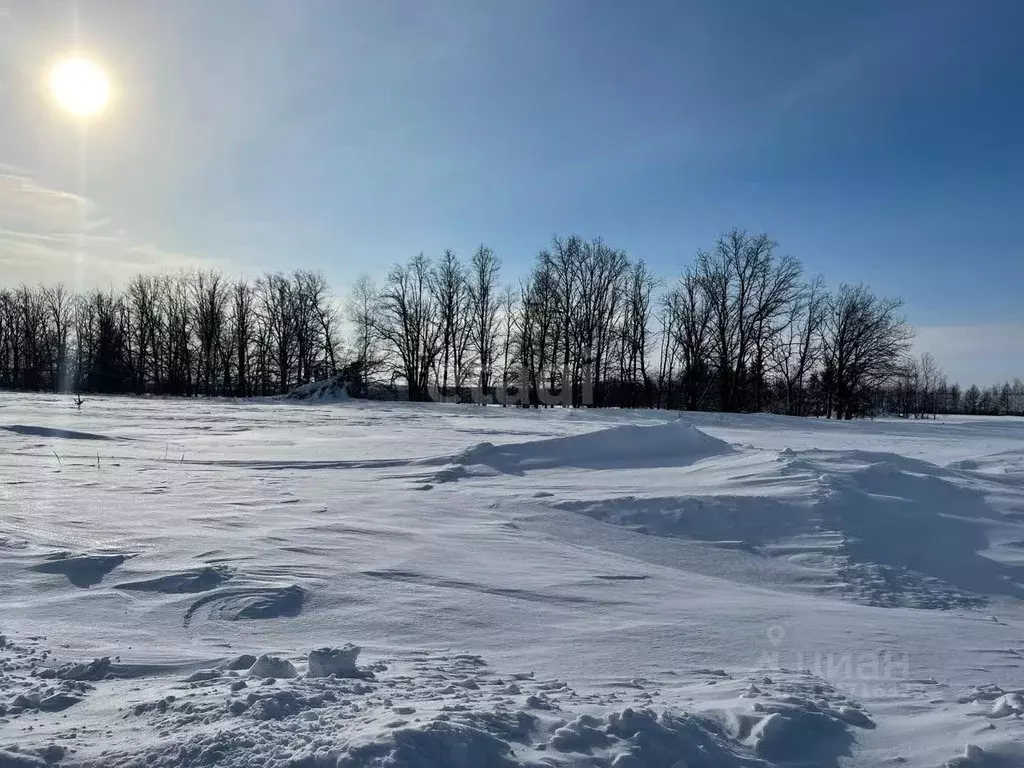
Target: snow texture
x=285 y=582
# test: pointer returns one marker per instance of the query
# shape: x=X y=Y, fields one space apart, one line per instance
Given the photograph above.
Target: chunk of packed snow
x=272 y=666
x=1008 y=704
x=340 y=662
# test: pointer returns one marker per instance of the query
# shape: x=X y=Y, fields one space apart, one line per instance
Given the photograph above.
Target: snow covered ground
x=553 y=588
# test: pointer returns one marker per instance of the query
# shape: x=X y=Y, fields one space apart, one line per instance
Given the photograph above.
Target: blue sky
x=877 y=141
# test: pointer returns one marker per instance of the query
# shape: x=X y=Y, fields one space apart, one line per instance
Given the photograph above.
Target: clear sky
x=877 y=141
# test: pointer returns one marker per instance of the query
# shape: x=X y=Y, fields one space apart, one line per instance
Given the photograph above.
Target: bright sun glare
x=80 y=86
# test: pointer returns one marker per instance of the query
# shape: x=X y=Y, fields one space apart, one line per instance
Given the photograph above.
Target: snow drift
x=331 y=390
x=674 y=444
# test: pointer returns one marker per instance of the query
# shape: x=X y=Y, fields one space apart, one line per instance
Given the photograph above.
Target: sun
x=80 y=86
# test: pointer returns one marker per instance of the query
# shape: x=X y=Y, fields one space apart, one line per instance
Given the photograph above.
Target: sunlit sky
x=877 y=141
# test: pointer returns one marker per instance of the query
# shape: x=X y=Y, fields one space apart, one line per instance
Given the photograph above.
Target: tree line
x=743 y=328
x=194 y=333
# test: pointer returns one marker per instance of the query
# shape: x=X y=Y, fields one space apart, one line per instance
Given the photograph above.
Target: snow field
x=188 y=583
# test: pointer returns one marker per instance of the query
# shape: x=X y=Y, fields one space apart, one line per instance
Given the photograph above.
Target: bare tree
x=243 y=329
x=450 y=292
x=143 y=295
x=509 y=309
x=600 y=291
x=797 y=349
x=865 y=338
x=275 y=304
x=314 y=320
x=410 y=323
x=537 y=343
x=363 y=311
x=484 y=305
x=60 y=308
x=690 y=307
x=930 y=376
x=636 y=320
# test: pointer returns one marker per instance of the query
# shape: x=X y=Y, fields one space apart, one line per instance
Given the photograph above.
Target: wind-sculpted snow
x=80 y=570
x=897 y=531
x=241 y=603
x=268 y=583
x=187 y=581
x=53 y=432
x=673 y=444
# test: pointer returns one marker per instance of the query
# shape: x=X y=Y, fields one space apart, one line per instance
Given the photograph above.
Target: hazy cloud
x=975 y=354
x=51 y=235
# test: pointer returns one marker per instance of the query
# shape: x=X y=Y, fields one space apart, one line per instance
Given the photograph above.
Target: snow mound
x=272 y=666
x=60 y=434
x=674 y=444
x=878 y=528
x=1008 y=704
x=340 y=662
x=330 y=390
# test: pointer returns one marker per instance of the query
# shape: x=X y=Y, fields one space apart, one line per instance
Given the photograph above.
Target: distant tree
x=274 y=300
x=930 y=376
x=509 y=317
x=208 y=294
x=908 y=388
x=450 y=293
x=864 y=340
x=243 y=331
x=410 y=323
x=955 y=399
x=364 y=316
x=739 y=331
x=689 y=306
x=538 y=326
x=972 y=399
x=640 y=285
x=797 y=348
x=485 y=306
x=1005 y=398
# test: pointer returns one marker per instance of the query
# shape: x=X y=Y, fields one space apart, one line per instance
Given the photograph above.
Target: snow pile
x=331 y=390
x=1008 y=704
x=629 y=738
x=674 y=444
x=457 y=714
x=423 y=710
x=272 y=666
x=340 y=662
